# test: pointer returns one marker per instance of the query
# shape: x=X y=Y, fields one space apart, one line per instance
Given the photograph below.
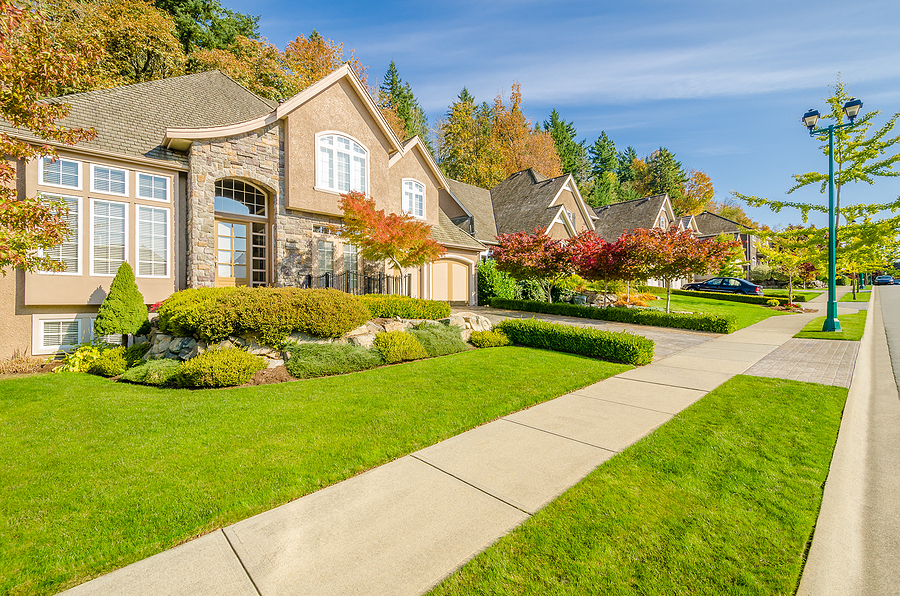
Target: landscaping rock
x=366 y=340
x=454 y=320
x=474 y=322
x=397 y=325
x=188 y=349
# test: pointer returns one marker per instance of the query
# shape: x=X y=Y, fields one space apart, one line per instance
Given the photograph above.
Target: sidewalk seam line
x=670 y=385
x=241 y=561
x=618 y=403
x=466 y=482
x=550 y=432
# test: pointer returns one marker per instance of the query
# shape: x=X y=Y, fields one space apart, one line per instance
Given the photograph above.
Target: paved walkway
x=402 y=527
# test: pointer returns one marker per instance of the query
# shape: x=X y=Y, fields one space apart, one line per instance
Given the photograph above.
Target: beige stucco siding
x=559 y=231
x=449 y=205
x=567 y=199
x=413 y=166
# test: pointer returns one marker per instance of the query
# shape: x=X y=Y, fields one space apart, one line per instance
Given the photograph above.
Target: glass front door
x=231 y=254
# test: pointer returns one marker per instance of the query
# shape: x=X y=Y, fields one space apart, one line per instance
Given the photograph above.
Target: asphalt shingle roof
x=710 y=224
x=132 y=120
x=522 y=201
x=445 y=232
x=614 y=219
x=477 y=201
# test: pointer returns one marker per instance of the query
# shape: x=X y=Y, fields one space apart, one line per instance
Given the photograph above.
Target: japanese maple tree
x=399 y=238
x=534 y=256
x=596 y=259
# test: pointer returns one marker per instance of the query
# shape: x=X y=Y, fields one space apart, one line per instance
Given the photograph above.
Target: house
x=611 y=221
x=197 y=182
x=711 y=225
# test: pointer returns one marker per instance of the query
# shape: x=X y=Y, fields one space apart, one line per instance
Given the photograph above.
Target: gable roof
x=447 y=234
x=522 y=201
x=132 y=120
x=614 y=219
x=477 y=201
x=711 y=224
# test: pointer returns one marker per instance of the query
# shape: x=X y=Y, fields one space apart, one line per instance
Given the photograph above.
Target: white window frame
x=91 y=232
x=137 y=240
x=137 y=186
x=94 y=189
x=80 y=241
x=41 y=173
x=403 y=198
x=331 y=184
x=42 y=349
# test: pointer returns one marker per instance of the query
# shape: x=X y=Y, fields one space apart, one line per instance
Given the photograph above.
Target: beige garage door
x=450 y=281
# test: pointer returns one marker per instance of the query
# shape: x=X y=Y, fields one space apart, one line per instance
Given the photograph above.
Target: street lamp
x=809 y=120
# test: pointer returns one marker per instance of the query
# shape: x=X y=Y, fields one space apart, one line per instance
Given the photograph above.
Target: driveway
x=668 y=341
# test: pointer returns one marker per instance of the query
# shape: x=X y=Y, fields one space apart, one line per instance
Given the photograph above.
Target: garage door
x=450 y=281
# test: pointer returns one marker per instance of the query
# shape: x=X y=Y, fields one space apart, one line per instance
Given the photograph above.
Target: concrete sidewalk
x=401 y=528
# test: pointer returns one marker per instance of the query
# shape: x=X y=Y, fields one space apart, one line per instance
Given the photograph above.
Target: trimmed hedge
x=319 y=360
x=153 y=372
x=388 y=306
x=634 y=316
x=219 y=367
x=746 y=298
x=614 y=346
x=439 y=340
x=271 y=314
x=488 y=339
x=397 y=346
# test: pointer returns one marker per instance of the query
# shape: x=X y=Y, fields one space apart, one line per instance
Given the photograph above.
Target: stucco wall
x=568 y=200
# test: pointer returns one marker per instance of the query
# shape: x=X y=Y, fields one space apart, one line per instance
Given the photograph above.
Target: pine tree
x=572 y=154
x=123 y=310
x=398 y=95
x=625 y=169
x=665 y=174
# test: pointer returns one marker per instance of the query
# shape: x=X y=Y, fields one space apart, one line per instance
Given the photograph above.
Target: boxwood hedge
x=746 y=298
x=614 y=346
x=388 y=306
x=658 y=318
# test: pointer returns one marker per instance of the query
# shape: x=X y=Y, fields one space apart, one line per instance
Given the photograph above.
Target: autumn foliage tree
x=399 y=238
x=534 y=256
x=33 y=64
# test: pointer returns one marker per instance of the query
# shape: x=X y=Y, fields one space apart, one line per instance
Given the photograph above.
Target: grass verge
x=851 y=328
x=745 y=314
x=720 y=500
x=97 y=474
x=861 y=296
x=808 y=294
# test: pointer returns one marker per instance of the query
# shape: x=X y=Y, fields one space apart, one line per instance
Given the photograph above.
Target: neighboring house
x=197 y=182
x=711 y=225
x=688 y=222
x=611 y=221
x=524 y=201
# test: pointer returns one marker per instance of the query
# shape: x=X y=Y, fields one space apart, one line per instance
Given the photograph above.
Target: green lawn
x=97 y=474
x=746 y=314
x=809 y=294
x=851 y=328
x=861 y=296
x=720 y=500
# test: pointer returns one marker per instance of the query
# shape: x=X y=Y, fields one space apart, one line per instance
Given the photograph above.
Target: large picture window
x=414 y=197
x=62 y=172
x=108 y=237
x=152 y=241
x=239 y=198
x=152 y=187
x=343 y=164
x=68 y=252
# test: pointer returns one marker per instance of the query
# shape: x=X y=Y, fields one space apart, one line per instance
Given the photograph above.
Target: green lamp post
x=810 y=119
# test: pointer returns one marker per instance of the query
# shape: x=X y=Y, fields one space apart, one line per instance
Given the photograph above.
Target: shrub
x=153 y=372
x=658 y=318
x=773 y=302
x=439 y=340
x=489 y=339
x=135 y=353
x=20 y=363
x=123 y=310
x=271 y=314
x=745 y=298
x=530 y=289
x=615 y=346
x=219 y=367
x=493 y=283
x=397 y=346
x=389 y=306
x=318 y=360
x=110 y=363
x=82 y=358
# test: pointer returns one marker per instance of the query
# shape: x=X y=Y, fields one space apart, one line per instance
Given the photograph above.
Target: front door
x=231 y=253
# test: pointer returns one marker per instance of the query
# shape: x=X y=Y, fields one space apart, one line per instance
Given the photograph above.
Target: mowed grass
x=852 y=327
x=746 y=314
x=808 y=294
x=861 y=296
x=96 y=474
x=720 y=500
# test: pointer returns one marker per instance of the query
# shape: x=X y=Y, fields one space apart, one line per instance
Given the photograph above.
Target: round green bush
x=773 y=302
x=153 y=372
x=489 y=339
x=110 y=363
x=219 y=367
x=397 y=346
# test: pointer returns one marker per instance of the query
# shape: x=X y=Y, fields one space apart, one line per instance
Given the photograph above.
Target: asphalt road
x=890 y=312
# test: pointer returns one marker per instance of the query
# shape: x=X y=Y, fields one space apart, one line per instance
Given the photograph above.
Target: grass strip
x=861 y=296
x=744 y=315
x=720 y=500
x=98 y=474
x=852 y=327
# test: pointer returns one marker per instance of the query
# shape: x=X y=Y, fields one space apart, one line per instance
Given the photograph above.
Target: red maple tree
x=534 y=256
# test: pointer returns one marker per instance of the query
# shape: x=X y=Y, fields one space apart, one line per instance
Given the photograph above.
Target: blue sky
x=720 y=83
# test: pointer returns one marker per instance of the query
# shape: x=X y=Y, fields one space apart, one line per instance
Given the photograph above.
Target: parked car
x=897 y=281
x=732 y=285
x=883 y=280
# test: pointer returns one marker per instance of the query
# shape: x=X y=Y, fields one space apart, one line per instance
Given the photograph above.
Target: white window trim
x=94 y=166
x=319 y=183
x=80 y=248
x=41 y=174
x=424 y=197
x=137 y=187
x=91 y=232
x=137 y=240
x=40 y=348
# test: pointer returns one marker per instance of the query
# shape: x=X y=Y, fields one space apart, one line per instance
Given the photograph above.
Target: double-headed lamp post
x=810 y=119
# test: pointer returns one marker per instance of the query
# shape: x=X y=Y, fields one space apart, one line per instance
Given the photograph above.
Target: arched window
x=239 y=198
x=343 y=164
x=414 y=197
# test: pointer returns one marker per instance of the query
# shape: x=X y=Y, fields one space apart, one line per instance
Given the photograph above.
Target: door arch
x=242 y=230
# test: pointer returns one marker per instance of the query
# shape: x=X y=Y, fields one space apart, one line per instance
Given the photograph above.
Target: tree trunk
x=668 y=294
x=791 y=289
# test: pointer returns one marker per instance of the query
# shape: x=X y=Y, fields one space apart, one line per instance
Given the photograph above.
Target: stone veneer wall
x=257 y=157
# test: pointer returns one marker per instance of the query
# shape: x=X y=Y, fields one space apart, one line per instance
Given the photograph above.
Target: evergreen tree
x=123 y=310
x=207 y=25
x=626 y=165
x=398 y=96
x=603 y=156
x=665 y=174
x=572 y=154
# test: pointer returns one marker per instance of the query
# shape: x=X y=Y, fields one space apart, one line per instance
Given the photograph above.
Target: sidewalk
x=402 y=527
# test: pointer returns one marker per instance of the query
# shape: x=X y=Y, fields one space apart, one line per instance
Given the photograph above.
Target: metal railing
x=354 y=283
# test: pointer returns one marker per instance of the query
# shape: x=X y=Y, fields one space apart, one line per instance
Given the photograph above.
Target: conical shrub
x=123 y=310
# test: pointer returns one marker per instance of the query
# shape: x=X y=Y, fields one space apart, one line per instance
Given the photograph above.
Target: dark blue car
x=731 y=285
